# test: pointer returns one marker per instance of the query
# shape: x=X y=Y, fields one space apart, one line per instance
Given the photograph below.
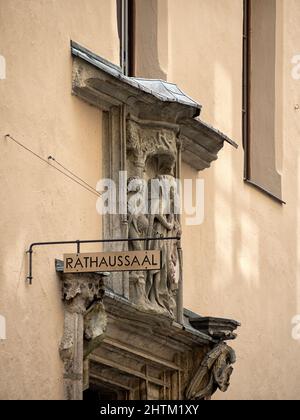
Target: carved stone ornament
x=84 y=327
x=152 y=158
x=149 y=128
x=213 y=373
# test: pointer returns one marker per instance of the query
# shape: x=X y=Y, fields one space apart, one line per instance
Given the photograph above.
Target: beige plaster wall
x=245 y=258
x=151 y=39
x=244 y=262
x=37 y=203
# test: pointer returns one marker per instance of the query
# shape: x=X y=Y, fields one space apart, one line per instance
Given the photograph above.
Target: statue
x=162 y=284
x=152 y=155
x=138 y=225
x=214 y=373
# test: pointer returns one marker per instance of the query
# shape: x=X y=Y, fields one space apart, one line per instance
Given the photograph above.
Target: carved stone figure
x=94 y=327
x=152 y=156
x=163 y=284
x=84 y=327
x=138 y=226
x=213 y=373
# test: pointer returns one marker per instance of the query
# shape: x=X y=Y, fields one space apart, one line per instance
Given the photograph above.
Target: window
x=259 y=96
x=125 y=13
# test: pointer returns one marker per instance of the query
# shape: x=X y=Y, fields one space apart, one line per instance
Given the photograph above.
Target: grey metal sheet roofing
x=163 y=90
x=169 y=90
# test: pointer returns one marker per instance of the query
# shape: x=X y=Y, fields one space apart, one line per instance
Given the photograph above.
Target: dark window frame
x=246 y=88
x=126 y=30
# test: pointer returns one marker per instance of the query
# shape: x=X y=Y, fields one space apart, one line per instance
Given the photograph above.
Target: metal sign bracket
x=78 y=244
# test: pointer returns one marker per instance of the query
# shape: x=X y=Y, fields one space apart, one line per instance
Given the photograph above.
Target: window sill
x=264 y=191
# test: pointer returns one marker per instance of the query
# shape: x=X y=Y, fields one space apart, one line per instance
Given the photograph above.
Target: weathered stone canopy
x=102 y=83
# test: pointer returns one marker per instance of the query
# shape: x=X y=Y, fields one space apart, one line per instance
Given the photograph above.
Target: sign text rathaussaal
x=112 y=261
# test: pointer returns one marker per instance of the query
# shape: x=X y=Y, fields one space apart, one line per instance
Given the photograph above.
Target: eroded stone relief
x=152 y=156
x=213 y=373
x=84 y=327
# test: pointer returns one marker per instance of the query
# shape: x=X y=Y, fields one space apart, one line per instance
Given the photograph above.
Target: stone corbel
x=215 y=370
x=213 y=373
x=84 y=327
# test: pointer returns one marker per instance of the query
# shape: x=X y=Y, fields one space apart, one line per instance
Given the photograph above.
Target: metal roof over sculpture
x=132 y=335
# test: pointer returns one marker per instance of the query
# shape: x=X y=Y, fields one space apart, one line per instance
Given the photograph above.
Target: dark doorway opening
x=99 y=392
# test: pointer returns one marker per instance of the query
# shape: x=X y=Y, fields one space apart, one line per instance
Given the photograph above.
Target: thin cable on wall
x=72 y=173
x=82 y=183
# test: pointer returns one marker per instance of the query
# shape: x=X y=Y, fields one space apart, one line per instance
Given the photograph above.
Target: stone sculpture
x=84 y=327
x=152 y=156
x=213 y=373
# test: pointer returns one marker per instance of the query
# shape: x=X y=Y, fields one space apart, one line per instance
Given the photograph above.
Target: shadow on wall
x=244 y=262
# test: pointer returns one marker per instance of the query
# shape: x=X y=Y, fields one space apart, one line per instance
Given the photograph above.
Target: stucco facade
x=242 y=263
x=248 y=243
